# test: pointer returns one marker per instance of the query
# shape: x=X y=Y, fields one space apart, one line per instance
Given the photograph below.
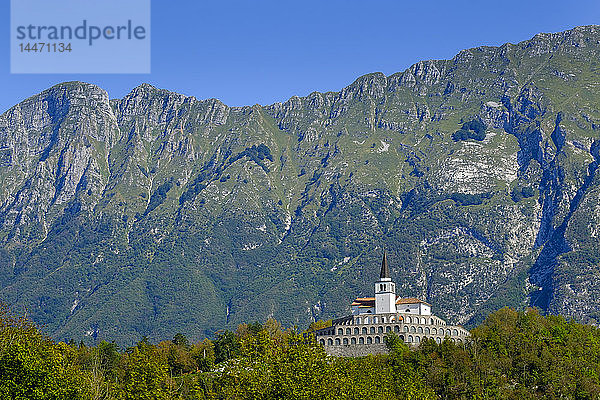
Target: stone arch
x=380 y=329
x=338 y=341
x=427 y=331
x=458 y=340
x=454 y=332
x=364 y=330
x=396 y=328
x=434 y=331
x=356 y=331
x=372 y=329
x=383 y=319
x=361 y=340
x=413 y=329
x=420 y=329
x=388 y=328
x=348 y=331
x=375 y=319
x=340 y=331
x=357 y=320
x=438 y=340
x=366 y=320
x=346 y=341
x=409 y=320
x=377 y=340
x=417 y=339
x=369 y=340
x=448 y=332
x=322 y=342
x=353 y=340
x=402 y=337
x=405 y=328
x=330 y=341
x=410 y=339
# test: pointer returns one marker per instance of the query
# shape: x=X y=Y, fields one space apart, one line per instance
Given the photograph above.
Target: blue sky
x=249 y=52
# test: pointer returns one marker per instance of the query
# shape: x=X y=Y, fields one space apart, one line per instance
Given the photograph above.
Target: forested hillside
x=512 y=355
x=158 y=212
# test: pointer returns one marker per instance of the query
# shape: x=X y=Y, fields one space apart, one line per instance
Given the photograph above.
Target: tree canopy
x=511 y=355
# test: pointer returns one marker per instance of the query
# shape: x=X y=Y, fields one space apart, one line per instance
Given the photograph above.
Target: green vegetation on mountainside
x=159 y=212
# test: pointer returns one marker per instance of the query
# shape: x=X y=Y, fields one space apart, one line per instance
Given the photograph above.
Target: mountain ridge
x=128 y=217
x=146 y=85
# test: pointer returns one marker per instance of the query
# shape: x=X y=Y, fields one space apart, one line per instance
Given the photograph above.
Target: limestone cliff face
x=159 y=213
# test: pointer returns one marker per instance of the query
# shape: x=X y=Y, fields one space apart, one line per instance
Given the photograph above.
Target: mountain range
x=160 y=213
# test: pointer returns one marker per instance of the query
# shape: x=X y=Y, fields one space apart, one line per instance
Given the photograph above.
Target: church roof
x=385 y=270
x=368 y=302
x=364 y=302
x=410 y=300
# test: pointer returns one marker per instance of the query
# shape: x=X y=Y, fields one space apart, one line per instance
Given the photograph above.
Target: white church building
x=363 y=331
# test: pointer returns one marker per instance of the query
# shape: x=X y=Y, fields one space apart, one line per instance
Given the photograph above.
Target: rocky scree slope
x=160 y=213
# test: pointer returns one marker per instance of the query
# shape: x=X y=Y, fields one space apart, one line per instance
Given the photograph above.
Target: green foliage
x=474 y=129
x=144 y=374
x=159 y=196
x=517 y=194
x=517 y=355
x=257 y=154
x=204 y=354
x=179 y=357
x=226 y=346
x=467 y=199
x=180 y=340
x=512 y=355
x=528 y=191
x=298 y=368
x=32 y=366
x=320 y=324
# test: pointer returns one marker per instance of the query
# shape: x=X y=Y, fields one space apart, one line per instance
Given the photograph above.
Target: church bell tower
x=385 y=290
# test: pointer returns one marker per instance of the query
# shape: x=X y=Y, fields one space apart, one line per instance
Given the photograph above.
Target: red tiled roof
x=370 y=301
x=410 y=300
x=364 y=302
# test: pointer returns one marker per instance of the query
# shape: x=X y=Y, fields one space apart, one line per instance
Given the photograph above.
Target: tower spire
x=385 y=271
